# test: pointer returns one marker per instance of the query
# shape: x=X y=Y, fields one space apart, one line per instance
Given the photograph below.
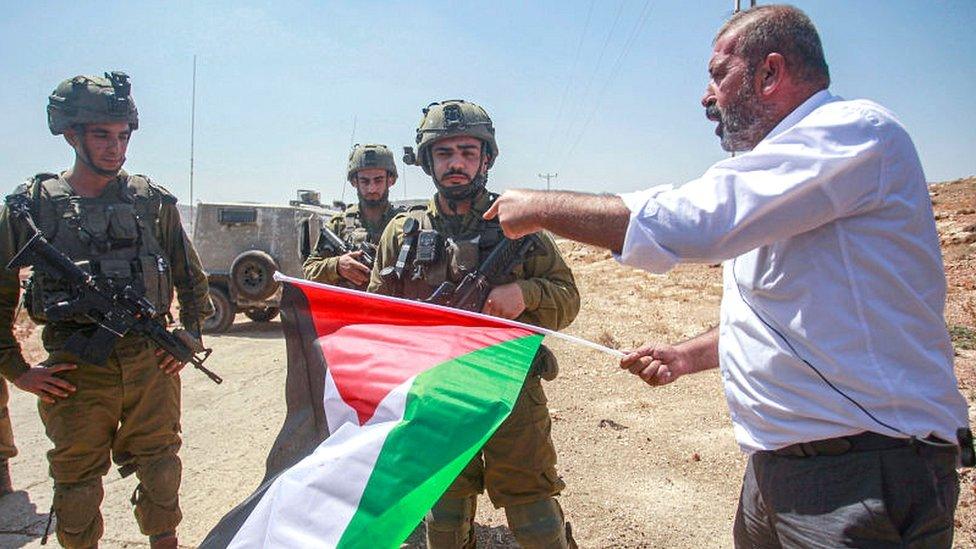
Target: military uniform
x=354 y=229
x=518 y=464
x=7 y=448
x=128 y=409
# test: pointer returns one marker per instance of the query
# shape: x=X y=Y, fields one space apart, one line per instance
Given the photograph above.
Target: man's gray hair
x=783 y=29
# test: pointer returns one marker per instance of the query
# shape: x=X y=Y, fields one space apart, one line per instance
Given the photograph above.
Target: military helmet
x=91 y=99
x=371 y=155
x=450 y=118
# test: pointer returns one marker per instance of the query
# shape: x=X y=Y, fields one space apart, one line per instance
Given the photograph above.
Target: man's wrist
x=15 y=369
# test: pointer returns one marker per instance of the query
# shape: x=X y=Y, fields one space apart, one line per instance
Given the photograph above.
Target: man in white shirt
x=836 y=361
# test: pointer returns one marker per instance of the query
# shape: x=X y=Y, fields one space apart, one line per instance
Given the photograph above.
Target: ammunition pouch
x=544 y=365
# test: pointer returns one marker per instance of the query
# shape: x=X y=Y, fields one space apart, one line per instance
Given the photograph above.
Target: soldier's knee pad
x=160 y=480
x=538 y=524
x=156 y=498
x=450 y=523
x=77 y=507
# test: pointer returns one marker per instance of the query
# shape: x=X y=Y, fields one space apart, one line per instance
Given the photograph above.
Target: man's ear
x=771 y=74
x=485 y=163
x=392 y=179
x=71 y=137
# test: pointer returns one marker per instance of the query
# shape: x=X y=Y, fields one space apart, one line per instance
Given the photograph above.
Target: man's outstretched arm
x=598 y=219
x=662 y=364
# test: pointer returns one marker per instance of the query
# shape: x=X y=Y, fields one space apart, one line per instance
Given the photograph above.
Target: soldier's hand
x=44 y=382
x=352 y=270
x=505 y=301
x=517 y=213
x=169 y=363
x=656 y=365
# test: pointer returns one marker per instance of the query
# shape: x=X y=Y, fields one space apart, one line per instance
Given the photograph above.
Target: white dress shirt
x=834 y=286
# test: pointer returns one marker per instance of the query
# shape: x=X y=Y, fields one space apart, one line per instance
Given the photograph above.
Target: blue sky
x=604 y=93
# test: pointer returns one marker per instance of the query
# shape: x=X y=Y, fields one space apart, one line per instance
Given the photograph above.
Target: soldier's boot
x=450 y=523
x=76 y=506
x=6 y=485
x=539 y=525
x=156 y=498
x=166 y=540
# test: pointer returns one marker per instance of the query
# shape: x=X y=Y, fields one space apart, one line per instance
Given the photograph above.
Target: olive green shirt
x=548 y=288
x=188 y=278
x=320 y=267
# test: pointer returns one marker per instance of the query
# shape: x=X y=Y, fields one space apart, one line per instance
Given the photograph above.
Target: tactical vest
x=441 y=257
x=113 y=237
x=354 y=232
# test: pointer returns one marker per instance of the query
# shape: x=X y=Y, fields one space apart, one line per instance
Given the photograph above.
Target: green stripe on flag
x=450 y=412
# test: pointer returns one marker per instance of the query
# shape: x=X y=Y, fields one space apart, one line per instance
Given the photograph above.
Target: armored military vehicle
x=242 y=244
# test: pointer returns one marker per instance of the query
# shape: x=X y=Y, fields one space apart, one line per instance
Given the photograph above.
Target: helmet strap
x=81 y=152
x=453 y=195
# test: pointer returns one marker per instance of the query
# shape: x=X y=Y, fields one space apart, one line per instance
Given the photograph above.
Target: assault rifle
x=116 y=311
x=330 y=242
x=471 y=293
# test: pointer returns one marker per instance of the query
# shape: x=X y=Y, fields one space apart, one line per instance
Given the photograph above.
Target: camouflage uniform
x=518 y=464
x=127 y=410
x=354 y=229
x=7 y=448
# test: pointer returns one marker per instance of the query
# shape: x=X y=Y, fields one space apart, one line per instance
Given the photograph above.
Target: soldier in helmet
x=124 y=228
x=372 y=171
x=7 y=448
x=456 y=147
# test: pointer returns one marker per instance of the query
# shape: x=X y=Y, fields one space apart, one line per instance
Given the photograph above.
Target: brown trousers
x=7 y=448
x=129 y=411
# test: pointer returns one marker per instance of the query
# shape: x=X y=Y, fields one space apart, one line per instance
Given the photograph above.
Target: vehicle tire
x=224 y=312
x=266 y=314
x=252 y=275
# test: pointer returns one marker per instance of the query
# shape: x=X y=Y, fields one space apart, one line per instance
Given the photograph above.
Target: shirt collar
x=816 y=100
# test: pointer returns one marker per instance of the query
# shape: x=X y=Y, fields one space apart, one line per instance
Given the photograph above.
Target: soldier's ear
x=392 y=179
x=71 y=137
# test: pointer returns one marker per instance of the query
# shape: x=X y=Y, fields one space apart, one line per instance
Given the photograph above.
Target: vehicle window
x=231 y=216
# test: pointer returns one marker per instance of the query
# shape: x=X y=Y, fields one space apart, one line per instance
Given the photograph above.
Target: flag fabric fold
x=387 y=401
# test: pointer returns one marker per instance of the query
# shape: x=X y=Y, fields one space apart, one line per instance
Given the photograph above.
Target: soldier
x=7 y=448
x=372 y=171
x=125 y=228
x=456 y=147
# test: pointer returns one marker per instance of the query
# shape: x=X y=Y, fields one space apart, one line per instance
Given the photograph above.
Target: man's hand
x=657 y=365
x=45 y=384
x=351 y=269
x=505 y=301
x=169 y=363
x=518 y=212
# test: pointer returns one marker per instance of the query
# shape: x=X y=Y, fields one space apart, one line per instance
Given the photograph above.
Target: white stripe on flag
x=311 y=504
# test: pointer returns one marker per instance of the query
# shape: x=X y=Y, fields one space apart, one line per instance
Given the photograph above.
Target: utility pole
x=193 y=121
x=547 y=177
x=737 y=5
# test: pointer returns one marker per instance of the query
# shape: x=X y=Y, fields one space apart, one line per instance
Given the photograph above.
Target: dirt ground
x=644 y=467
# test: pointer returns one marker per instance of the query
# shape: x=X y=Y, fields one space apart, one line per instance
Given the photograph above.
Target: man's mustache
x=456 y=172
x=712 y=113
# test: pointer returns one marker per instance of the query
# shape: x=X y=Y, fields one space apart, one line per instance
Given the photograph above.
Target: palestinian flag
x=387 y=400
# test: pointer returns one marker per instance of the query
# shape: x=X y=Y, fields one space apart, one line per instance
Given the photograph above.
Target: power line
x=628 y=45
x=569 y=80
x=596 y=69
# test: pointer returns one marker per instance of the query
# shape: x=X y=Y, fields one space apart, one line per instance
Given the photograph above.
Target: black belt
x=861 y=442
